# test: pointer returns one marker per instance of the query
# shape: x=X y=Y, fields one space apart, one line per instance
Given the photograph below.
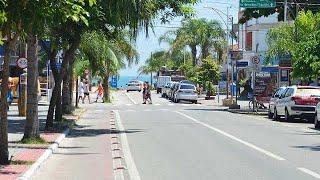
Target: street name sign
x=257 y=3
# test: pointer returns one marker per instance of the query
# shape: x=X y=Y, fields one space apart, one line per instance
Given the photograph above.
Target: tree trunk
x=58 y=114
x=32 y=121
x=194 y=55
x=53 y=100
x=71 y=82
x=4 y=152
x=106 y=88
x=66 y=104
x=66 y=91
x=205 y=51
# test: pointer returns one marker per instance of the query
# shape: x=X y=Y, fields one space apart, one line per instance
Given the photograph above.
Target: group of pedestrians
x=84 y=91
x=146 y=93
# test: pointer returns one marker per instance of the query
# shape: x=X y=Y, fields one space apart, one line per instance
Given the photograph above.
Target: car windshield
x=308 y=92
x=186 y=86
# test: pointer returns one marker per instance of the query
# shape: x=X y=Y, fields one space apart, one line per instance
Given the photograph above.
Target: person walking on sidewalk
x=99 y=92
x=81 y=90
x=86 y=92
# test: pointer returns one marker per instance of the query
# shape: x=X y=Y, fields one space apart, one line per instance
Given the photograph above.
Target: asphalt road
x=186 y=141
x=167 y=141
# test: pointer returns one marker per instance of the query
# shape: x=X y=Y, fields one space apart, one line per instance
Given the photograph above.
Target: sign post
x=255 y=60
x=257 y=3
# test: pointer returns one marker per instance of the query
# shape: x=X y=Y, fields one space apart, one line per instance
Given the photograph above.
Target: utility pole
x=228 y=82
x=285 y=10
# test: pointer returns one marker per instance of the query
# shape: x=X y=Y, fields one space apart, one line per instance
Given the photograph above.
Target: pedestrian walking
x=148 y=93
x=9 y=95
x=99 y=92
x=144 y=92
x=86 y=92
x=81 y=90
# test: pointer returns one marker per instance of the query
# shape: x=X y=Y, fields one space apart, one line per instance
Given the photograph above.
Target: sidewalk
x=23 y=156
x=86 y=152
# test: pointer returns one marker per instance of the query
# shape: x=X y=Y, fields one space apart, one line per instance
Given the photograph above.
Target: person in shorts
x=86 y=92
x=99 y=92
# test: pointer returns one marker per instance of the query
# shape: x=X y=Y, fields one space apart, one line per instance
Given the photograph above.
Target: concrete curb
x=248 y=112
x=35 y=166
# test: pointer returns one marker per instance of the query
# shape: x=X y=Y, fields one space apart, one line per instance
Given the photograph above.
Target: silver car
x=186 y=92
x=297 y=101
x=273 y=100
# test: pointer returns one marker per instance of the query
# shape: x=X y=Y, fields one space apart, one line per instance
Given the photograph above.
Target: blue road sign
x=58 y=66
x=114 y=81
x=242 y=64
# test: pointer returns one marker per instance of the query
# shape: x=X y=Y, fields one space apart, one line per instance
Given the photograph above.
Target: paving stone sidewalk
x=24 y=155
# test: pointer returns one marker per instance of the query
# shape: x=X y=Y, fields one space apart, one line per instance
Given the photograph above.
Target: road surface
x=167 y=141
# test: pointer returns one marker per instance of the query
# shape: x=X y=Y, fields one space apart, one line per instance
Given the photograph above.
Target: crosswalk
x=157 y=104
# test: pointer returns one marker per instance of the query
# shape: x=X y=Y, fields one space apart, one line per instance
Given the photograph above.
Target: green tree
x=301 y=40
x=208 y=36
x=106 y=56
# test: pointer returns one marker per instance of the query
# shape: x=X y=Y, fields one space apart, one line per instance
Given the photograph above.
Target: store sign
x=22 y=63
x=257 y=3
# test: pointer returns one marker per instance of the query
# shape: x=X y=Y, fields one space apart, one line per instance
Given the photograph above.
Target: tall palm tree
x=198 y=34
x=106 y=56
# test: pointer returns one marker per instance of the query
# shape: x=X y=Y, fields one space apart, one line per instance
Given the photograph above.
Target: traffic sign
x=255 y=60
x=114 y=81
x=257 y=3
x=58 y=66
x=22 y=63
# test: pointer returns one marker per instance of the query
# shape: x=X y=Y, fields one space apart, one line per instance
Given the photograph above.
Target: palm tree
x=106 y=56
x=197 y=34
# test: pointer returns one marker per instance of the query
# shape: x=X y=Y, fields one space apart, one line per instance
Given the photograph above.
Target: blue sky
x=146 y=45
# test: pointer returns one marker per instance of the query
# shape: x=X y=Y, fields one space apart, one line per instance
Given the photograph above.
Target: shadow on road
x=311 y=148
x=208 y=110
x=80 y=132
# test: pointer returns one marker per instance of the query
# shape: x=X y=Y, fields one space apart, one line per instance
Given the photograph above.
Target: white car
x=317 y=117
x=297 y=101
x=166 y=89
x=186 y=92
x=134 y=86
x=273 y=101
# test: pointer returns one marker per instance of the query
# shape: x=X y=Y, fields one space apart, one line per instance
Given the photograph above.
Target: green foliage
x=33 y=141
x=80 y=65
x=209 y=71
x=208 y=35
x=302 y=41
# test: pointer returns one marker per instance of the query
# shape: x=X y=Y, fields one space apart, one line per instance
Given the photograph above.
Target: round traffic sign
x=22 y=63
x=255 y=59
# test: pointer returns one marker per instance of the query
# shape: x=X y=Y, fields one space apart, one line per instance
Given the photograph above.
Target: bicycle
x=258 y=104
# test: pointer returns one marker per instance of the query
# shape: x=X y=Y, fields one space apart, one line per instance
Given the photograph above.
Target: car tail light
x=308 y=100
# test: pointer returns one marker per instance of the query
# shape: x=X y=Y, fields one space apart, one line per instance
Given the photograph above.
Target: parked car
x=172 y=90
x=165 y=90
x=134 y=86
x=317 y=117
x=297 y=101
x=186 y=92
x=273 y=100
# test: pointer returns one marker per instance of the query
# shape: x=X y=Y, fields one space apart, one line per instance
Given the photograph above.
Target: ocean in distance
x=123 y=80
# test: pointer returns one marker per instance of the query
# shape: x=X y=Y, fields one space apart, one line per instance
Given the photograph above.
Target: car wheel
x=195 y=102
x=275 y=115
x=288 y=118
x=316 y=122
